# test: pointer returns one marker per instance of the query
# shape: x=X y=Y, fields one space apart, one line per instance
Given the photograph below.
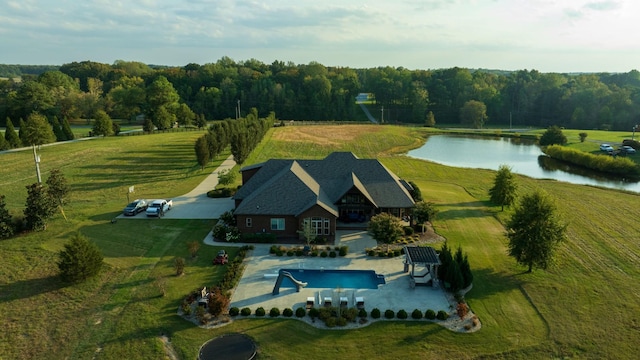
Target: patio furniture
x=360 y=302
x=310 y=302
x=327 y=301
x=344 y=301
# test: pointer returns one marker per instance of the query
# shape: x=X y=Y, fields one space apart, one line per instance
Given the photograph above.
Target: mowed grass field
x=586 y=306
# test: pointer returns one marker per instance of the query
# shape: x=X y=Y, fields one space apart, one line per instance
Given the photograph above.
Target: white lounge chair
x=327 y=301
x=360 y=302
x=344 y=301
x=310 y=302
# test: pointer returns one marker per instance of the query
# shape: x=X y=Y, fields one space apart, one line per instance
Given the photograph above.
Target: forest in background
x=126 y=89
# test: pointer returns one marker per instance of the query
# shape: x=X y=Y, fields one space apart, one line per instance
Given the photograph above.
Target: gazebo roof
x=421 y=255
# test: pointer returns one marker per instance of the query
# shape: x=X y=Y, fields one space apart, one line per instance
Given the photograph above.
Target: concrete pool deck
x=255 y=289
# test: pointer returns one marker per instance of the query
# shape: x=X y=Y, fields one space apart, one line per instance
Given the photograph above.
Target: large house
x=280 y=196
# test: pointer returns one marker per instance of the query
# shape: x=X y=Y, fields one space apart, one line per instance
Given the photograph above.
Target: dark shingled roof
x=421 y=255
x=283 y=187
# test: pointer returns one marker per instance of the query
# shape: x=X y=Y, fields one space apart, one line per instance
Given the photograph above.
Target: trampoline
x=230 y=346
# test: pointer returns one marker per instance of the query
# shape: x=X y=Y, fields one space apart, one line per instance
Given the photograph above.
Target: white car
x=628 y=149
x=606 y=147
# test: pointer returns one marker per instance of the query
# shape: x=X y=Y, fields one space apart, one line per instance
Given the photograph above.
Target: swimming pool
x=333 y=279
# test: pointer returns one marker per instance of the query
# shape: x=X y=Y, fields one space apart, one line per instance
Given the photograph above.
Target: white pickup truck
x=159 y=207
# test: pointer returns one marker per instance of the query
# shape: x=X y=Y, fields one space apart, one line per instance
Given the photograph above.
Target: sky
x=545 y=35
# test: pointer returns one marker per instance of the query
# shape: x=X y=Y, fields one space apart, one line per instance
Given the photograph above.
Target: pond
x=523 y=156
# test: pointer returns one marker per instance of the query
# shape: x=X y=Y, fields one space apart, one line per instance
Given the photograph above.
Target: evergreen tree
x=57 y=186
x=431 y=120
x=57 y=130
x=22 y=125
x=80 y=259
x=445 y=259
x=6 y=221
x=202 y=151
x=535 y=230
x=201 y=121
x=13 y=139
x=37 y=131
x=39 y=208
x=66 y=128
x=504 y=187
x=4 y=145
x=415 y=192
x=148 y=125
x=465 y=269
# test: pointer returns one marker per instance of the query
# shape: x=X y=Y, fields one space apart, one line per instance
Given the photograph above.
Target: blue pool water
x=345 y=279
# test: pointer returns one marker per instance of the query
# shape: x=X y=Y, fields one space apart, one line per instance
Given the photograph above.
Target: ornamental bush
x=313 y=313
x=362 y=313
x=80 y=259
x=287 y=312
x=274 y=312
x=260 y=311
x=416 y=314
x=301 y=312
x=245 y=311
x=234 y=311
x=401 y=314
x=375 y=313
x=323 y=254
x=332 y=254
x=430 y=314
x=389 y=314
x=442 y=315
x=343 y=250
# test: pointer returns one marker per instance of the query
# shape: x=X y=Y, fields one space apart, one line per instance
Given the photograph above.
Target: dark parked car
x=137 y=206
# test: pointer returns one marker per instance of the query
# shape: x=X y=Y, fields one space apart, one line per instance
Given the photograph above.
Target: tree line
x=228 y=89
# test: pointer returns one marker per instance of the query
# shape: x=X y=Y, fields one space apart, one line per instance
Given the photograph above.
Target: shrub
x=382 y=254
x=234 y=311
x=331 y=322
x=475 y=322
x=372 y=253
x=362 y=313
x=287 y=312
x=313 y=313
x=462 y=309
x=332 y=254
x=442 y=315
x=301 y=312
x=314 y=253
x=325 y=313
x=273 y=249
x=416 y=314
x=290 y=253
x=389 y=314
x=274 y=312
x=279 y=252
x=80 y=259
x=186 y=308
x=299 y=252
x=343 y=250
x=408 y=230
x=260 y=311
x=342 y=321
x=397 y=252
x=218 y=301
x=323 y=254
x=245 y=311
x=390 y=254
x=402 y=314
x=430 y=314
x=350 y=314
x=375 y=313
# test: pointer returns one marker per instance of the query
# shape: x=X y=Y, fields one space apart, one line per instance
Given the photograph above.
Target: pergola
x=424 y=256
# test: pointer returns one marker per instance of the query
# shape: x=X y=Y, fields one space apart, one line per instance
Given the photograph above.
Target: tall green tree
x=241 y=146
x=6 y=221
x=424 y=211
x=385 y=228
x=38 y=131
x=184 y=115
x=57 y=187
x=4 y=145
x=535 y=230
x=57 y=130
x=474 y=114
x=39 y=208
x=66 y=128
x=102 y=125
x=163 y=118
x=202 y=151
x=11 y=135
x=80 y=259
x=504 y=190
x=430 y=120
x=552 y=136
x=415 y=191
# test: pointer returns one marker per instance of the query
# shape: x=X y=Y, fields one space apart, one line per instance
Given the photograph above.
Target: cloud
x=603 y=5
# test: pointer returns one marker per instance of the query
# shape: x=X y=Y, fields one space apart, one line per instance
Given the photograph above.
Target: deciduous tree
x=474 y=114
x=535 y=230
x=102 y=125
x=504 y=188
x=184 y=115
x=424 y=211
x=202 y=151
x=80 y=259
x=552 y=136
x=385 y=228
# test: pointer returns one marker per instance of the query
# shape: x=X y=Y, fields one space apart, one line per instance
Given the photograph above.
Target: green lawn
x=584 y=307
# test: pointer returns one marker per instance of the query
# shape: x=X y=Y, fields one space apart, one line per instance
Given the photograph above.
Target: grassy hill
x=586 y=306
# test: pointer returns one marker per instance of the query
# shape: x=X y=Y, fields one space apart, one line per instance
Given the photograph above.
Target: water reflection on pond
x=523 y=156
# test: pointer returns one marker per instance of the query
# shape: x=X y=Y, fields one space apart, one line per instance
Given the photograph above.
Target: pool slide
x=281 y=275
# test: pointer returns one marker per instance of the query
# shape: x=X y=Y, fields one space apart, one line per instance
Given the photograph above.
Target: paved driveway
x=196 y=204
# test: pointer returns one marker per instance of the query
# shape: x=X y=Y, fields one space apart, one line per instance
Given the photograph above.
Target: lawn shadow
x=25 y=289
x=487 y=282
x=464 y=210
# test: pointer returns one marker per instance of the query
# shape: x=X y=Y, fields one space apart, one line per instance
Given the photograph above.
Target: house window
x=277 y=224
x=327 y=226
x=248 y=222
x=319 y=226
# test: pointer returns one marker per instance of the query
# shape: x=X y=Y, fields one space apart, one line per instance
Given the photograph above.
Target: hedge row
x=603 y=163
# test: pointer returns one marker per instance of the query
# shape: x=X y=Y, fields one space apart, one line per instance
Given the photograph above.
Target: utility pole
x=239 y=113
x=382 y=115
x=36 y=159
